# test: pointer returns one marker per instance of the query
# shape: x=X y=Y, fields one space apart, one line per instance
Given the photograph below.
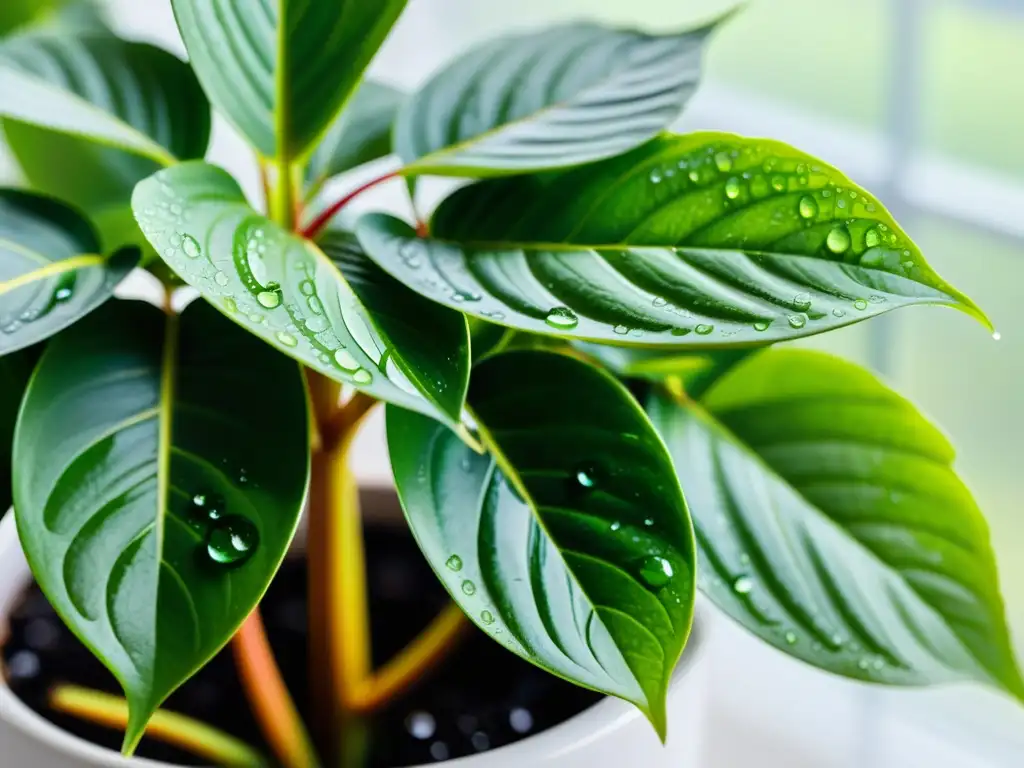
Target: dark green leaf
x=363 y=329
x=701 y=240
x=162 y=466
x=569 y=542
x=51 y=270
x=281 y=70
x=144 y=88
x=693 y=370
x=553 y=99
x=361 y=133
x=830 y=523
x=15 y=371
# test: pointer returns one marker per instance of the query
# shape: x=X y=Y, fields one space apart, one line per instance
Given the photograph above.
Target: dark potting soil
x=481 y=698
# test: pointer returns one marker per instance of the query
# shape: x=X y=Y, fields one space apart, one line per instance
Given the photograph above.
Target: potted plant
x=575 y=339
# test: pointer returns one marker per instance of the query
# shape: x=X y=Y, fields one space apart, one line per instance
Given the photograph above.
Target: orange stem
x=268 y=695
x=320 y=222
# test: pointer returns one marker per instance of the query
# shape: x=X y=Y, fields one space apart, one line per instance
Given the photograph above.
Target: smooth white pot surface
x=611 y=734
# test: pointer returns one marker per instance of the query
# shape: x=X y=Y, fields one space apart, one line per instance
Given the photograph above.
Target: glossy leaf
x=692 y=369
x=15 y=371
x=162 y=467
x=51 y=270
x=569 y=542
x=145 y=88
x=360 y=134
x=17 y=16
x=701 y=240
x=363 y=328
x=553 y=99
x=281 y=70
x=831 y=524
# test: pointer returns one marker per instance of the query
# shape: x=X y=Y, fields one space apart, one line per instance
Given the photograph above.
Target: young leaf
x=831 y=524
x=701 y=240
x=15 y=371
x=569 y=542
x=553 y=99
x=361 y=133
x=281 y=70
x=51 y=273
x=162 y=467
x=364 y=328
x=146 y=89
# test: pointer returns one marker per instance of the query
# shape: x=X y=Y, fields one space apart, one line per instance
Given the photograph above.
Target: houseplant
x=569 y=343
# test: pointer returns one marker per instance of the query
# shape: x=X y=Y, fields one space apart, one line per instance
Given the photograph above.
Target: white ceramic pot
x=611 y=734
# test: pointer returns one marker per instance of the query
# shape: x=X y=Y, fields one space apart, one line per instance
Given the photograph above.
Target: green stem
x=285 y=202
x=178 y=730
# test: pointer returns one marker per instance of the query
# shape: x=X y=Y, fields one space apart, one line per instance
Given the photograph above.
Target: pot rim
x=597 y=722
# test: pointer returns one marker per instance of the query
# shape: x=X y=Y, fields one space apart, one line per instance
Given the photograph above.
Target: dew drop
x=778 y=183
x=837 y=312
x=468 y=588
x=694 y=176
x=615 y=526
x=620 y=330
x=287 y=339
x=704 y=330
x=221 y=279
x=232 y=540
x=797 y=321
x=487 y=617
x=863 y=664
x=454 y=563
x=656 y=571
x=808 y=207
x=586 y=476
x=230 y=305
x=743 y=585
x=316 y=324
x=761 y=326
x=838 y=240
x=190 y=247
x=723 y=162
x=872 y=238
x=362 y=376
x=802 y=301
x=270 y=299
x=421 y=725
x=61 y=295
x=655 y=176
x=649 y=522
x=345 y=360
x=733 y=187
x=562 y=318
x=996 y=336
x=860 y=304
x=791 y=638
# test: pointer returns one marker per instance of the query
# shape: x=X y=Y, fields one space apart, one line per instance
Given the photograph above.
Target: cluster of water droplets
x=39 y=304
x=228 y=540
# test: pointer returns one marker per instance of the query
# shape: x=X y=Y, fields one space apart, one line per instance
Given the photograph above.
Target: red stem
x=321 y=221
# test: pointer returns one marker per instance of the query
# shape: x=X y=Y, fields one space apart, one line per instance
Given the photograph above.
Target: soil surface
x=481 y=698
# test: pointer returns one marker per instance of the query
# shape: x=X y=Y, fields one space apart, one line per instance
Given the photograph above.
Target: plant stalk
x=269 y=698
x=340 y=650
x=315 y=227
x=177 y=730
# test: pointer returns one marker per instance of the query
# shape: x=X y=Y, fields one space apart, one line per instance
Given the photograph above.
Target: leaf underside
x=546 y=540
x=831 y=524
x=130 y=419
x=690 y=241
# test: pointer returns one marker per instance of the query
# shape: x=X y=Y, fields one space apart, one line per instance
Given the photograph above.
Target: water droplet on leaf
x=190 y=247
x=287 y=339
x=744 y=585
x=562 y=318
x=797 y=321
x=487 y=617
x=232 y=540
x=454 y=563
x=808 y=207
x=656 y=571
x=761 y=326
x=468 y=588
x=872 y=238
x=838 y=240
x=860 y=304
x=704 y=330
x=733 y=188
x=723 y=162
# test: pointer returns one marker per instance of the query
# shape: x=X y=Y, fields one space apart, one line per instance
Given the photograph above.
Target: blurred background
x=922 y=101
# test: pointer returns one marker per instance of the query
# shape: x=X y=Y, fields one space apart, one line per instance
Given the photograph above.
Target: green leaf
x=360 y=134
x=701 y=240
x=831 y=524
x=51 y=273
x=15 y=371
x=280 y=70
x=552 y=99
x=162 y=467
x=569 y=542
x=147 y=90
x=18 y=15
x=363 y=328
x=689 y=368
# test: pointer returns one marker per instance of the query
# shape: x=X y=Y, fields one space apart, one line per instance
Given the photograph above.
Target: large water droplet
x=791 y=638
x=362 y=376
x=860 y=304
x=656 y=571
x=743 y=585
x=656 y=176
x=62 y=294
x=778 y=183
x=996 y=336
x=232 y=540
x=562 y=318
x=316 y=324
x=872 y=238
x=287 y=339
x=345 y=360
x=454 y=563
x=808 y=207
x=704 y=330
x=797 y=321
x=620 y=330
x=838 y=240
x=761 y=326
x=723 y=162
x=190 y=247
x=468 y=588
x=733 y=188
x=270 y=298
x=487 y=617
x=230 y=304
x=221 y=279
x=802 y=302
x=839 y=312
